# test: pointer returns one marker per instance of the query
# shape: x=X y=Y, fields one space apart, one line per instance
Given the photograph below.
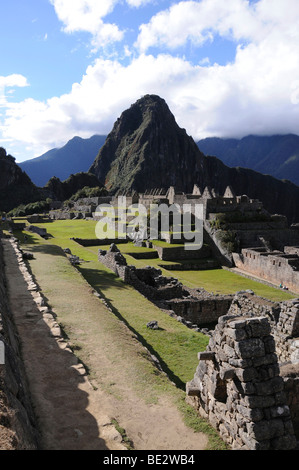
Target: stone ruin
x=238 y=388
x=247 y=381
x=42 y=232
x=148 y=281
x=277 y=267
x=195 y=308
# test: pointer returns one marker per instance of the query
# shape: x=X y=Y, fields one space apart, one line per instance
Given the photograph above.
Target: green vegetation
x=221 y=281
x=87 y=192
x=222 y=219
x=227 y=239
x=29 y=209
x=127 y=442
x=174 y=346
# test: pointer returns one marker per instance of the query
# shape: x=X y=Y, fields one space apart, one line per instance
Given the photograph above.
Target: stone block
x=269 y=387
x=259 y=401
x=227 y=374
x=229 y=352
x=250 y=348
x=266 y=360
x=246 y=375
x=206 y=356
x=280 y=411
x=258 y=327
x=255 y=414
x=253 y=444
x=236 y=334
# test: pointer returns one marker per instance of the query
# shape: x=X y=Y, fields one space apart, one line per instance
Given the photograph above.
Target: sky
x=71 y=67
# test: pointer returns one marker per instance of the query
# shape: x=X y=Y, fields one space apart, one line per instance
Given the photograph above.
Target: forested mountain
x=276 y=155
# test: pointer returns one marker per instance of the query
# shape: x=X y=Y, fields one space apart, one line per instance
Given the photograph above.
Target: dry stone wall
x=204 y=311
x=179 y=253
x=283 y=318
x=286 y=333
x=247 y=381
x=148 y=281
x=17 y=422
x=238 y=388
x=196 y=309
x=276 y=267
x=247 y=303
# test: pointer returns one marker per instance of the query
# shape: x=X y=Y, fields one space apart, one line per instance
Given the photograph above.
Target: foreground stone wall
x=17 y=422
x=290 y=375
x=286 y=333
x=237 y=386
x=247 y=303
x=283 y=318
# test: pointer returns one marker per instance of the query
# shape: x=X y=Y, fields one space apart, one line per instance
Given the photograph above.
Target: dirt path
x=71 y=413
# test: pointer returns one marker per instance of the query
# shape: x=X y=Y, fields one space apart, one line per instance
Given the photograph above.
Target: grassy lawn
x=87 y=324
x=132 y=308
x=221 y=281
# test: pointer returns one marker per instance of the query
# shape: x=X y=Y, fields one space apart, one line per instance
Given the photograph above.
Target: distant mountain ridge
x=276 y=155
x=74 y=157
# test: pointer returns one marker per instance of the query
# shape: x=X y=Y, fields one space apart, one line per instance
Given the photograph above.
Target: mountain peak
x=146 y=149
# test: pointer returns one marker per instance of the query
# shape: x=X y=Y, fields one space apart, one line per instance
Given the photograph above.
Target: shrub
x=29 y=209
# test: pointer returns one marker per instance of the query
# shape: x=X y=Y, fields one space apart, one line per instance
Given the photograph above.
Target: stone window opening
x=221 y=390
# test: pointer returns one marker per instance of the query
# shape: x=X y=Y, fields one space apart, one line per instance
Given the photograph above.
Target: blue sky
x=70 y=67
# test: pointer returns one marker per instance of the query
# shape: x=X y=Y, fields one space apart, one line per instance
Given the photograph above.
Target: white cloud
x=198 y=22
x=87 y=15
x=255 y=94
x=138 y=3
x=13 y=80
x=8 y=83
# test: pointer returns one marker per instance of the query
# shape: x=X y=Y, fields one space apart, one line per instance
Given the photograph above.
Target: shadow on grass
x=25 y=238
x=175 y=379
x=100 y=279
x=46 y=249
x=93 y=276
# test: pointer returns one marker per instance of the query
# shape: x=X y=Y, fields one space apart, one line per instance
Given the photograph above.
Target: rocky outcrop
x=63 y=190
x=15 y=186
